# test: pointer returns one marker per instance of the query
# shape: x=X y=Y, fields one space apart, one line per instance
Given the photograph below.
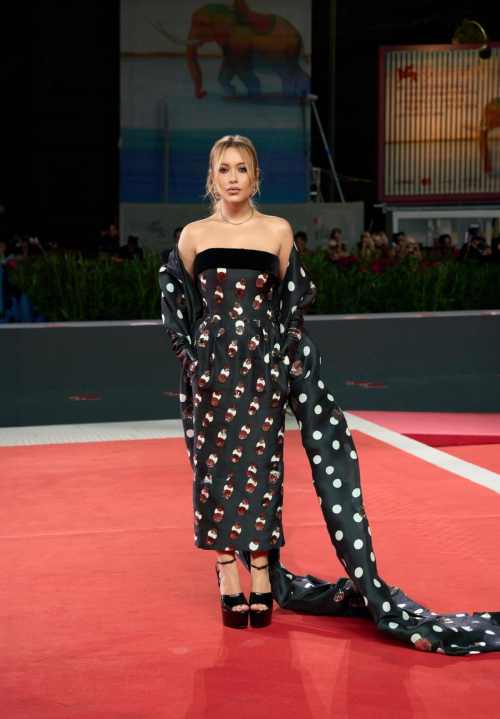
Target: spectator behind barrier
x=129 y=251
x=476 y=249
x=177 y=234
x=301 y=241
x=336 y=249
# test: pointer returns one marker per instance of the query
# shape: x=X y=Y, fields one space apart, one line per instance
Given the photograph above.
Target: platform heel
x=231 y=618
x=261 y=617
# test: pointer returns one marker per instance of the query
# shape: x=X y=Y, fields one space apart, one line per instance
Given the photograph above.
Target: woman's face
x=234 y=179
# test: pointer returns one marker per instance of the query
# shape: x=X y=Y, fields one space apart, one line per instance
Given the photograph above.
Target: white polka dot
x=163 y=317
x=294 y=308
x=440 y=651
x=369 y=531
x=179 y=314
x=182 y=397
x=337 y=483
x=474 y=652
x=329 y=470
x=281 y=304
x=317 y=409
x=348 y=432
x=190 y=433
x=415 y=637
x=302 y=272
x=317 y=435
x=393 y=625
x=302 y=397
x=437 y=629
x=488 y=631
x=354 y=455
x=333 y=420
x=330 y=397
x=307 y=350
x=282 y=329
x=357 y=517
x=486 y=615
x=300 y=425
x=286 y=359
x=307 y=374
x=406 y=615
x=366 y=600
x=320 y=500
x=335 y=444
x=377 y=583
x=291 y=286
x=321 y=384
x=316 y=459
x=266 y=357
x=336 y=509
x=372 y=556
x=386 y=606
x=339 y=535
x=418 y=611
x=358 y=544
x=170 y=287
x=356 y=492
x=358 y=572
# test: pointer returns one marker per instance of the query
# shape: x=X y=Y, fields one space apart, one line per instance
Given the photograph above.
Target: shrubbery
x=67 y=287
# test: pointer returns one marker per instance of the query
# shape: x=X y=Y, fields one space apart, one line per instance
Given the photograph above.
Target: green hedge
x=69 y=288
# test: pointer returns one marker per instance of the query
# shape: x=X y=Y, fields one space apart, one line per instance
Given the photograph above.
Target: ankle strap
x=229 y=561
x=256 y=567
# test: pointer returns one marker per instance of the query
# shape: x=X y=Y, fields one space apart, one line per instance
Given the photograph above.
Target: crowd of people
x=377 y=246
x=372 y=246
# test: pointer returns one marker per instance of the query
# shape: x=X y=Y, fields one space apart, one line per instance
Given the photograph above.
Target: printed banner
x=439 y=124
x=192 y=73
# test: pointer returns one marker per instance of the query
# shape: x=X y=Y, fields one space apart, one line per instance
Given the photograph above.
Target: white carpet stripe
x=458 y=466
x=170 y=428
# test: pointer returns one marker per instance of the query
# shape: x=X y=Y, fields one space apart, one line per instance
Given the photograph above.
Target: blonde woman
x=234 y=291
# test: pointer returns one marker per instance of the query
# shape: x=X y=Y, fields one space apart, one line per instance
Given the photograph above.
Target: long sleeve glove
x=293 y=335
x=186 y=352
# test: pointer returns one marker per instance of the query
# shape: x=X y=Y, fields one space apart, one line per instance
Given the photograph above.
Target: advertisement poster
x=192 y=73
x=439 y=124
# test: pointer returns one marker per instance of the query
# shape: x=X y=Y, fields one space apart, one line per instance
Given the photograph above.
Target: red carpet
x=486 y=456
x=108 y=611
x=439 y=429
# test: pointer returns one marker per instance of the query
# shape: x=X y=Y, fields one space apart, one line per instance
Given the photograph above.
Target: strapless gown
x=239 y=403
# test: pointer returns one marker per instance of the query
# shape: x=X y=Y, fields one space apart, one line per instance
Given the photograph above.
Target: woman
x=215 y=403
x=336 y=248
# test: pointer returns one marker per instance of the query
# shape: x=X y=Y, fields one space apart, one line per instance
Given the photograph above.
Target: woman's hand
x=293 y=336
x=186 y=352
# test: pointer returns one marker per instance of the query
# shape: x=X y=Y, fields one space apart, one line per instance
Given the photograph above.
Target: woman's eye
x=222 y=169
x=243 y=169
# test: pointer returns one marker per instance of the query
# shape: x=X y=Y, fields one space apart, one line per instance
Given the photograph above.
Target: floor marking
x=473 y=472
x=171 y=428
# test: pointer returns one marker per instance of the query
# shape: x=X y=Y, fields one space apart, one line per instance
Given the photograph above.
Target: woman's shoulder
x=276 y=224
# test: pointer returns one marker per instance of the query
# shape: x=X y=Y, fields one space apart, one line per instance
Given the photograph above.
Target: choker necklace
x=236 y=223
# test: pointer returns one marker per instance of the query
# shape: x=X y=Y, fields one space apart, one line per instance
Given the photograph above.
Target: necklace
x=236 y=223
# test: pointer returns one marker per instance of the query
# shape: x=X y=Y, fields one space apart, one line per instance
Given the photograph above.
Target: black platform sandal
x=261 y=617
x=230 y=617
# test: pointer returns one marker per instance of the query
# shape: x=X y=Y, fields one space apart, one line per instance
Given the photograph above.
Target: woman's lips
x=233 y=190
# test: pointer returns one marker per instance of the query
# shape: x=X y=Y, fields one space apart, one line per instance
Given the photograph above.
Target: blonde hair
x=245 y=146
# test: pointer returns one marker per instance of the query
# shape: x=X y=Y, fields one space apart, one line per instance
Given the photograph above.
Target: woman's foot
x=260 y=578
x=230 y=579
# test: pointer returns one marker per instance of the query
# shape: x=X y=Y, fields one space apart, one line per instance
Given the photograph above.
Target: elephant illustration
x=491 y=120
x=249 y=41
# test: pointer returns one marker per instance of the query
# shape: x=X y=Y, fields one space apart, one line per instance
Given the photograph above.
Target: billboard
x=191 y=73
x=439 y=125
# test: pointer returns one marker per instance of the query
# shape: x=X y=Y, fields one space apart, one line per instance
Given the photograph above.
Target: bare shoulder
x=277 y=225
x=191 y=236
